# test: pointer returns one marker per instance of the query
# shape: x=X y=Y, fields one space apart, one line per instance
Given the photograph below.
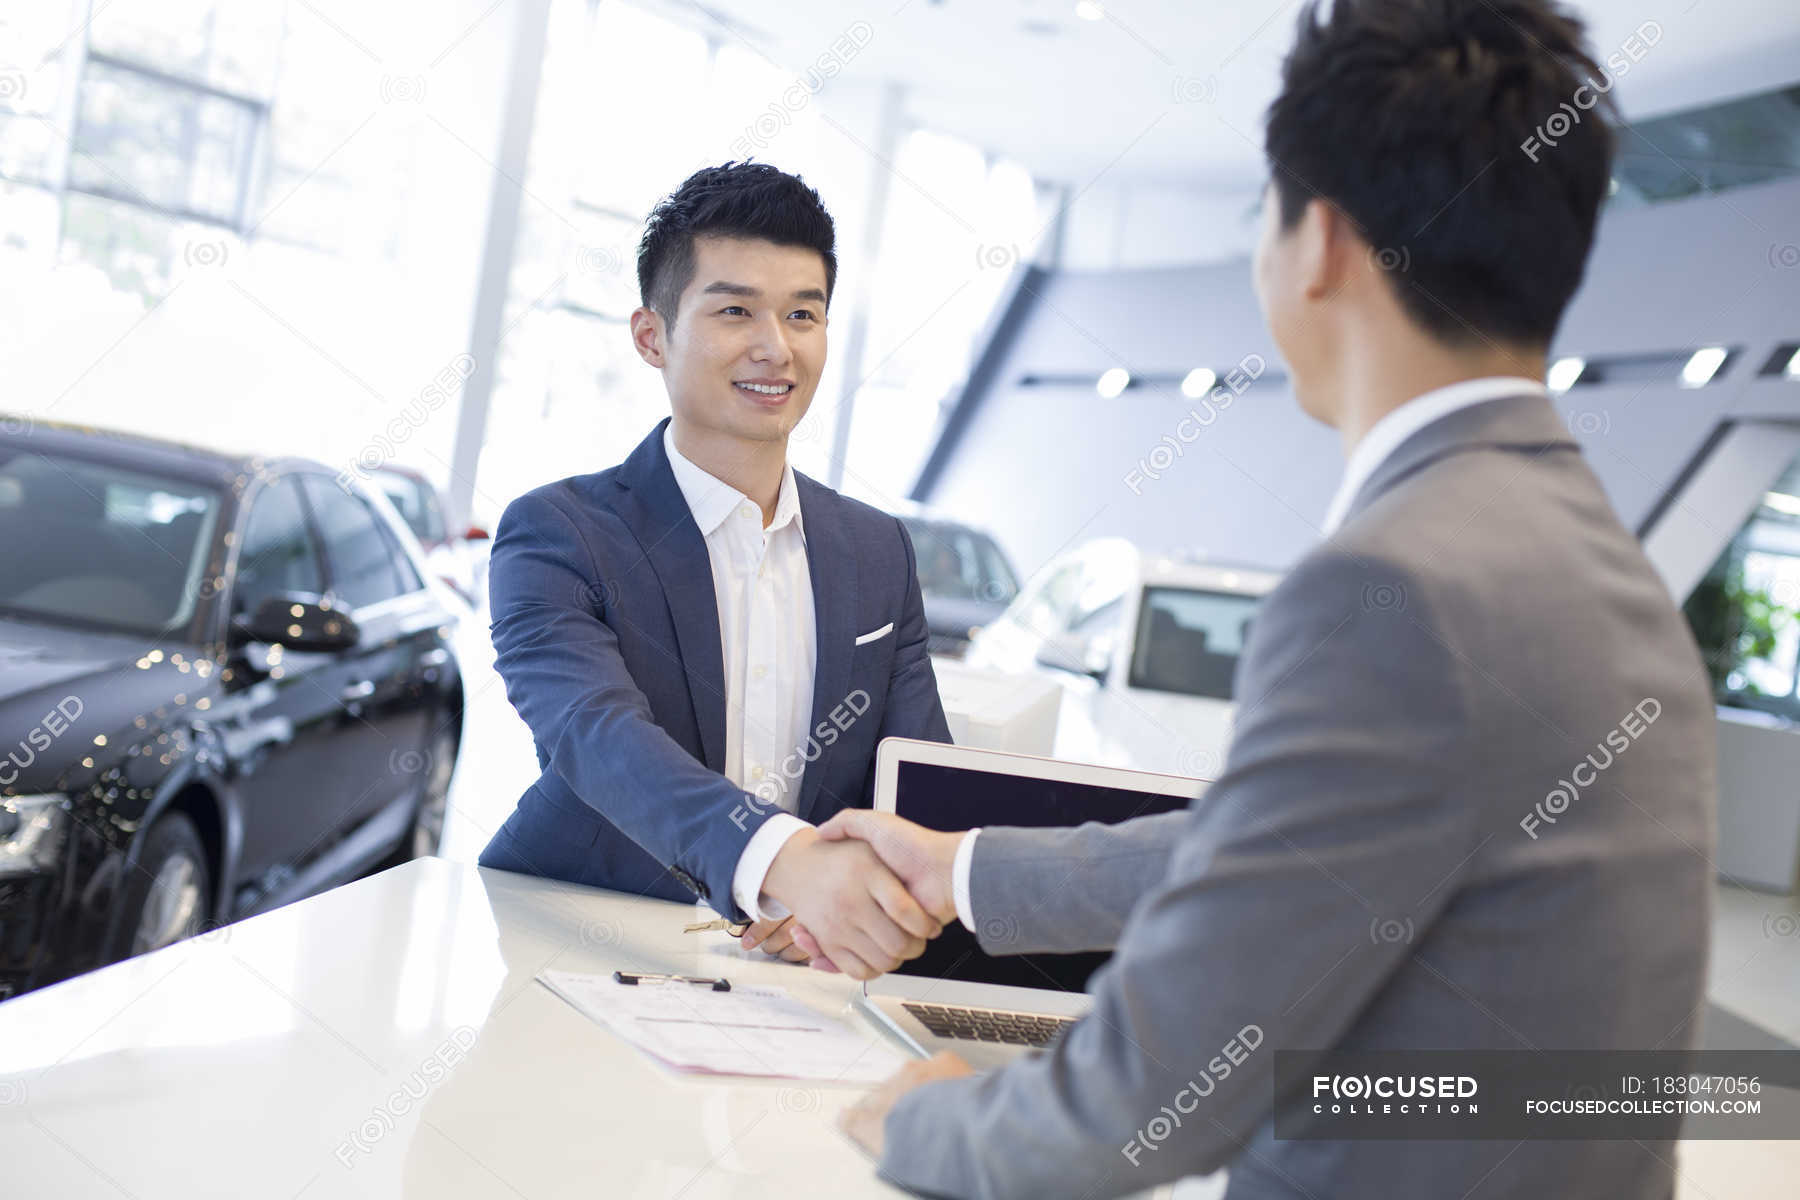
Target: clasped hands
x=865 y=891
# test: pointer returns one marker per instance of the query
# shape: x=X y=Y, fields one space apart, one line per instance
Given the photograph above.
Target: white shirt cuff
x=959 y=879
x=753 y=865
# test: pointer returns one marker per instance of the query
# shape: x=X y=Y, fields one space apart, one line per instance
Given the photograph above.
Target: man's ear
x=1328 y=249
x=647 y=335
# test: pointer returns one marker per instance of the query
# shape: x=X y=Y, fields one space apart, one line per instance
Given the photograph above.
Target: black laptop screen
x=950 y=798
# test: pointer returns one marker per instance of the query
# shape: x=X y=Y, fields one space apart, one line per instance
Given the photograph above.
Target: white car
x=1145 y=647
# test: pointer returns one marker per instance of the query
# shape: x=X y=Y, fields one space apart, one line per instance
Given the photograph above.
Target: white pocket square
x=879 y=633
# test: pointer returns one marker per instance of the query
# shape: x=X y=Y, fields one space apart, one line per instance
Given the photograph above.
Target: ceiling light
x=1781 y=502
x=1563 y=373
x=1113 y=381
x=1702 y=366
x=1087 y=10
x=1197 y=383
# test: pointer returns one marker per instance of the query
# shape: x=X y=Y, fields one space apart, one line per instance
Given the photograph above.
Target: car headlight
x=31 y=833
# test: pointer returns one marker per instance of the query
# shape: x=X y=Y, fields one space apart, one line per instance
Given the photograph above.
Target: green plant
x=1733 y=623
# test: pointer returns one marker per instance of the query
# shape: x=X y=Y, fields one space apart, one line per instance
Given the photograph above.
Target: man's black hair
x=1468 y=140
x=737 y=200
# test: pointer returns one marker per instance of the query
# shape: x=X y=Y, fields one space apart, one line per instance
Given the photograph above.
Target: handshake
x=866 y=891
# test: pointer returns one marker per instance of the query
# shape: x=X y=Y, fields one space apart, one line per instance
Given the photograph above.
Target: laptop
x=992 y=1008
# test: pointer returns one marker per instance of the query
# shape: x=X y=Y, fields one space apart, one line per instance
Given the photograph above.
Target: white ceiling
x=1174 y=90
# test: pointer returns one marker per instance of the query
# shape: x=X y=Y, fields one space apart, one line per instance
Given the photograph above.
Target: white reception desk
x=387 y=1039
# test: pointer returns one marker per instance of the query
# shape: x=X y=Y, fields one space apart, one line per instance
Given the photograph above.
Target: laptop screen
x=950 y=798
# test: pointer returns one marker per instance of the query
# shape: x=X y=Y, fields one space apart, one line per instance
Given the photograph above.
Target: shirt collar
x=1387 y=434
x=711 y=499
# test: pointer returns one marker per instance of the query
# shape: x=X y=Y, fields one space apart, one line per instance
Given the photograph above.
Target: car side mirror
x=298 y=622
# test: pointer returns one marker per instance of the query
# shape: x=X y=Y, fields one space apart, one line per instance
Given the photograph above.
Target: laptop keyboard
x=988 y=1024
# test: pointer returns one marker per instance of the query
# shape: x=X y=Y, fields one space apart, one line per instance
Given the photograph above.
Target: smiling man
x=706 y=645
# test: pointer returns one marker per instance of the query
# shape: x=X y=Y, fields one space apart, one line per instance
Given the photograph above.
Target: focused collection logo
x=1398 y=1094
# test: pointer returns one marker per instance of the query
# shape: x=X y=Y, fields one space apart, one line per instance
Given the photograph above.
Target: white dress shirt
x=1383 y=438
x=768 y=636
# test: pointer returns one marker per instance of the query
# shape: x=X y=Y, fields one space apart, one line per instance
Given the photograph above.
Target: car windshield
x=417 y=504
x=1188 y=641
x=960 y=563
x=94 y=545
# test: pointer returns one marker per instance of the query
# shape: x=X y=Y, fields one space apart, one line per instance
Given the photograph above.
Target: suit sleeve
x=1326 y=850
x=913 y=708
x=565 y=676
x=1061 y=891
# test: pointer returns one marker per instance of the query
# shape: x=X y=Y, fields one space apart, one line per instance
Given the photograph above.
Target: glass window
x=1188 y=641
x=233 y=45
x=1002 y=585
x=1743 y=141
x=38 y=57
x=957 y=562
x=1048 y=605
x=1100 y=620
x=278 y=554
x=139 y=251
x=1746 y=612
x=94 y=545
x=162 y=144
x=417 y=503
x=950 y=242
x=360 y=555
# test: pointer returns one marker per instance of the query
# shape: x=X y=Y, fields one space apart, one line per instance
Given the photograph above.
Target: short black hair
x=738 y=200
x=1423 y=122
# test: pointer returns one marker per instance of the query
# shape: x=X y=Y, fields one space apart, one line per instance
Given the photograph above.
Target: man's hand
x=776 y=937
x=921 y=857
x=855 y=912
x=866 y=1120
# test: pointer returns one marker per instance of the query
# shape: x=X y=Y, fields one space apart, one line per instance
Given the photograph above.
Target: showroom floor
x=1755 y=973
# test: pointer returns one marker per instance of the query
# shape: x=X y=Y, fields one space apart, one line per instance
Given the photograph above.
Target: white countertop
x=389 y=1039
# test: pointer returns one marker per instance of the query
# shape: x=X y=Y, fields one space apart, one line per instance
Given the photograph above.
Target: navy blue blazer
x=606 y=632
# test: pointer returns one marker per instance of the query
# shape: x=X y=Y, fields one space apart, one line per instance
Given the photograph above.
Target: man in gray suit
x=1469 y=802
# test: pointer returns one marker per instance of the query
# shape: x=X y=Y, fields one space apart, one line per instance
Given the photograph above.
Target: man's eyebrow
x=721 y=287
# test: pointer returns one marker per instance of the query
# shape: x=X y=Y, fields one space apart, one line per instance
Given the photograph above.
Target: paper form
x=746 y=1031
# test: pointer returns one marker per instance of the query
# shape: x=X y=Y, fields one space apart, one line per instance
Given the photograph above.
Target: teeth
x=766 y=389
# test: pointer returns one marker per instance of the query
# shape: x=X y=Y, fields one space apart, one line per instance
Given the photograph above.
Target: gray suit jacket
x=1359 y=877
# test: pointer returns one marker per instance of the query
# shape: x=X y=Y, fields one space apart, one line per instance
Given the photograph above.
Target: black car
x=225 y=684
x=965 y=579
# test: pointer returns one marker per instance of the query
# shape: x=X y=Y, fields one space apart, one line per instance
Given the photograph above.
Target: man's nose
x=771 y=342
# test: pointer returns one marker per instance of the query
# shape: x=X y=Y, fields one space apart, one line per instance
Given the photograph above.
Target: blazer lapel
x=831 y=561
x=1524 y=422
x=657 y=512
